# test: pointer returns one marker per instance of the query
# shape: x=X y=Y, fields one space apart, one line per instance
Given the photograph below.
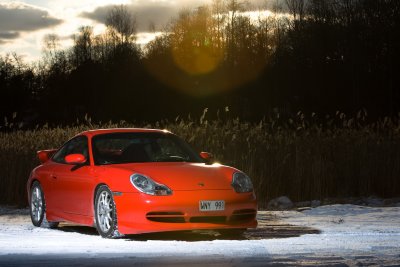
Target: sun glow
x=198 y=60
x=257 y=15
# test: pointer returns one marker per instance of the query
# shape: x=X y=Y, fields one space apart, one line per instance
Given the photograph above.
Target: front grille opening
x=167 y=219
x=162 y=213
x=208 y=219
x=166 y=216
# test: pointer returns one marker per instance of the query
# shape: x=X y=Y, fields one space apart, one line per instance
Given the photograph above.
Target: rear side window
x=78 y=145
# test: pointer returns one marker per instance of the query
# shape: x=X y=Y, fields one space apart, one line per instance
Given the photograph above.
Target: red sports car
x=131 y=181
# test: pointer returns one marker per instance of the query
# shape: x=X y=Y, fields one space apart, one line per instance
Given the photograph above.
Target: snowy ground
x=335 y=235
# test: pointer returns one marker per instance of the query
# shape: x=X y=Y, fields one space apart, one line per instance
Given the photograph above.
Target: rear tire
x=105 y=213
x=37 y=207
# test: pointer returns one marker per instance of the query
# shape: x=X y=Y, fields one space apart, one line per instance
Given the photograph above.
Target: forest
x=312 y=56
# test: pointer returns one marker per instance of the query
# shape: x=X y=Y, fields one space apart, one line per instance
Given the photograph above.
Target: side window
x=78 y=145
x=169 y=147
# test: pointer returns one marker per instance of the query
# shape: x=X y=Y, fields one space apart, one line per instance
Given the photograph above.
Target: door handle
x=53 y=176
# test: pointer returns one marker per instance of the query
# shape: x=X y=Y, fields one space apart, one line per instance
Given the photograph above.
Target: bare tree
x=51 y=45
x=218 y=11
x=296 y=8
x=83 y=48
x=123 y=22
x=51 y=42
x=234 y=7
x=54 y=57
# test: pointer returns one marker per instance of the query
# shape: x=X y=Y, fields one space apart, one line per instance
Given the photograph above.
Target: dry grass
x=303 y=158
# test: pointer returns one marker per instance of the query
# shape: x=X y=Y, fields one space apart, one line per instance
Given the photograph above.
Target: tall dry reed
x=302 y=157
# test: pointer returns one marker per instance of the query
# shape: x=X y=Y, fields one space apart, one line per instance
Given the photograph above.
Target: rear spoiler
x=45 y=155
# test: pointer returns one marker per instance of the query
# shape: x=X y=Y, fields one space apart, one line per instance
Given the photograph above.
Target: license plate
x=211 y=205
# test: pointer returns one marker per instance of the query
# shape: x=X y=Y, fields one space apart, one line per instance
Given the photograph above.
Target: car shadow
x=269 y=227
x=71 y=228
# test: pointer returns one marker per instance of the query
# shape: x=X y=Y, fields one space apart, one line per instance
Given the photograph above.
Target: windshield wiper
x=171 y=158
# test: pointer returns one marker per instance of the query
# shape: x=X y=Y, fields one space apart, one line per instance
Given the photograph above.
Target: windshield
x=116 y=148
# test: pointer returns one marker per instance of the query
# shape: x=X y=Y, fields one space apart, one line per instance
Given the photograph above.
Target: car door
x=72 y=184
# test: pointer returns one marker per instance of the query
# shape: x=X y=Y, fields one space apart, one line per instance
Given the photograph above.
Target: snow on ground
x=348 y=235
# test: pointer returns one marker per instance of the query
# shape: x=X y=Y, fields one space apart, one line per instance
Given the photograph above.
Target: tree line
x=316 y=56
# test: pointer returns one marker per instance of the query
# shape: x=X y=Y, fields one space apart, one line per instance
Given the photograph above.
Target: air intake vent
x=166 y=216
x=164 y=213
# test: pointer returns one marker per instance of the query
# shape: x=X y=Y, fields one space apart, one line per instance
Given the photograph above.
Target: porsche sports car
x=131 y=181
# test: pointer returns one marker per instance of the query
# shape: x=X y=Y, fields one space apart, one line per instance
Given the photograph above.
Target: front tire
x=105 y=213
x=37 y=207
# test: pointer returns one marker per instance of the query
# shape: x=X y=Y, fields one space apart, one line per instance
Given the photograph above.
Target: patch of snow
x=346 y=231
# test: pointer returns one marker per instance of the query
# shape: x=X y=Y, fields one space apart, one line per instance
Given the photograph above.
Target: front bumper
x=141 y=213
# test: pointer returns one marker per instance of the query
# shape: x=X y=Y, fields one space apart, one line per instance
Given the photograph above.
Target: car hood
x=185 y=176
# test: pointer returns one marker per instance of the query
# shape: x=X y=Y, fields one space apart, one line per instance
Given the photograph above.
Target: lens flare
x=198 y=60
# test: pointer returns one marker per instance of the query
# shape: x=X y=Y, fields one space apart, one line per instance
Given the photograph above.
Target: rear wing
x=45 y=155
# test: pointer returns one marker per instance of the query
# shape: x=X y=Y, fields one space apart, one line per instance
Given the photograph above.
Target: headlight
x=148 y=186
x=241 y=183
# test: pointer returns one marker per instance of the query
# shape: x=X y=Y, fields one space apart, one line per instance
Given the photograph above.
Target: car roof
x=121 y=130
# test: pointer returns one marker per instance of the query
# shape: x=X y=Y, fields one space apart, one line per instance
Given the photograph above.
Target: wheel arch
x=95 y=191
x=94 y=195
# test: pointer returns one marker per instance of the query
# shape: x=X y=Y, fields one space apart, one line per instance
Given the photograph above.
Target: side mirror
x=208 y=157
x=45 y=155
x=75 y=159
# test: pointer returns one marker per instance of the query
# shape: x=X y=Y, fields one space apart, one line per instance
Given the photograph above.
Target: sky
x=23 y=24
